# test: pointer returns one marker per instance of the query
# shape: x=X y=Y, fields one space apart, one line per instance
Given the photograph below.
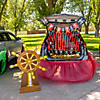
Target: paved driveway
x=50 y=90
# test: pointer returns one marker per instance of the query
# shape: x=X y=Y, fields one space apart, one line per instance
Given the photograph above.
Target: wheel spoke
x=23 y=58
x=34 y=60
x=27 y=56
x=30 y=67
x=23 y=63
x=26 y=66
x=31 y=56
x=13 y=53
x=34 y=64
x=12 y=66
x=40 y=67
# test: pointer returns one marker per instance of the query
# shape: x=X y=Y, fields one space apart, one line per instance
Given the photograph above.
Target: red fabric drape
x=70 y=71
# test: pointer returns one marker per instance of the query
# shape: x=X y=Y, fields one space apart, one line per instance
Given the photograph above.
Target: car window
x=11 y=36
x=3 y=37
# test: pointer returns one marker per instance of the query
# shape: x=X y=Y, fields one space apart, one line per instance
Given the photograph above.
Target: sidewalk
x=50 y=90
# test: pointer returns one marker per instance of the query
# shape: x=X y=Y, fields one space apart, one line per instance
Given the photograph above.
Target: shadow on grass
x=88 y=36
x=33 y=44
x=92 y=35
x=92 y=41
x=34 y=40
x=92 y=48
x=34 y=37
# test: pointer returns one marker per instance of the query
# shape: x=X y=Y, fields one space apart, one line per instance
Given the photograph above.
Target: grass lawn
x=91 y=41
x=36 y=40
x=32 y=41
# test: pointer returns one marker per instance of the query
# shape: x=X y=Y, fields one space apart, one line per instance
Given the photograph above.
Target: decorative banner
x=63 y=29
x=44 y=20
x=81 y=21
x=50 y=27
x=58 y=30
x=54 y=28
x=71 y=28
x=75 y=25
x=67 y=29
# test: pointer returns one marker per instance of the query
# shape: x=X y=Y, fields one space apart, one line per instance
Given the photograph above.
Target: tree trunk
x=50 y=4
x=96 y=30
x=86 y=28
x=2 y=9
x=15 y=31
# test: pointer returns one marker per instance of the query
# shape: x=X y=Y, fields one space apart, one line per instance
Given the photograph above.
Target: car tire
x=6 y=60
x=0 y=66
x=4 y=70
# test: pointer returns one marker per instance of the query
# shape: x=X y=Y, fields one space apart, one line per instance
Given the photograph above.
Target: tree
x=16 y=10
x=18 y=14
x=95 y=5
x=47 y=7
x=82 y=6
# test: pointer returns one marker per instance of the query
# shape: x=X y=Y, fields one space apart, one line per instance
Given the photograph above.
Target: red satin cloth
x=70 y=71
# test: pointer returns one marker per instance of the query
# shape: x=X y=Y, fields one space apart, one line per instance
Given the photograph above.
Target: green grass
x=32 y=41
x=91 y=41
x=36 y=40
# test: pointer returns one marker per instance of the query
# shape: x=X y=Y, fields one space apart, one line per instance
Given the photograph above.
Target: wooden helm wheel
x=28 y=61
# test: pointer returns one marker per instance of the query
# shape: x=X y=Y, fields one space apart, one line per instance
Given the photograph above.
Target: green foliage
x=26 y=14
x=81 y=6
x=34 y=25
x=47 y=7
x=3 y=4
x=95 y=4
x=90 y=9
x=18 y=14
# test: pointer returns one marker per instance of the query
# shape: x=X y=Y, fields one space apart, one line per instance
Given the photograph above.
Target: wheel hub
x=29 y=61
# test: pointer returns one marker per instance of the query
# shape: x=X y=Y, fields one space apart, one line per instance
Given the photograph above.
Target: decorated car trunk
x=67 y=55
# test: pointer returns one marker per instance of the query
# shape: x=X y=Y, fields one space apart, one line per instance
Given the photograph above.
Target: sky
x=69 y=12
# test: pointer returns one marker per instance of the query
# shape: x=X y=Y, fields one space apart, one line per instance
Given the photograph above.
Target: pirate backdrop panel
x=66 y=51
